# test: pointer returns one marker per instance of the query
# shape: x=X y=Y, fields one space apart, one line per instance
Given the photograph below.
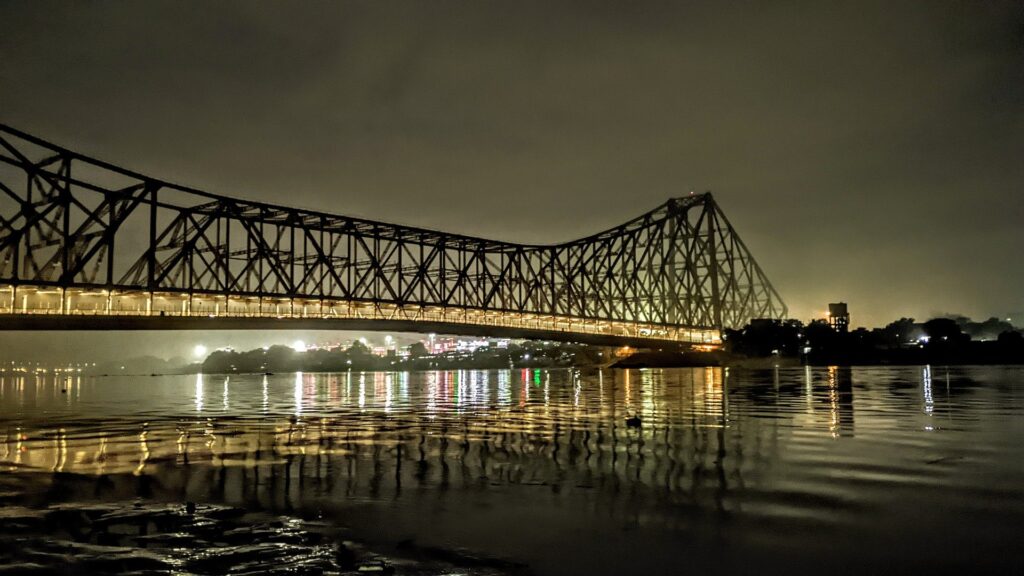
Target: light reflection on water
x=869 y=467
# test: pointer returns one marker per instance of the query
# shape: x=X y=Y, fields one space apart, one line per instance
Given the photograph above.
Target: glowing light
x=299 y=346
x=199 y=351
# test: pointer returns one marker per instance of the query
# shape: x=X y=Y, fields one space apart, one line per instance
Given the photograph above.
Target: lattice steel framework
x=69 y=221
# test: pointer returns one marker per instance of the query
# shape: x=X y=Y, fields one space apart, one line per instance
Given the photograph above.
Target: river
x=709 y=470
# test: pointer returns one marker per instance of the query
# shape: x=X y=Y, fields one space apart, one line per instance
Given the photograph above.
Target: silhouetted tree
x=944 y=330
x=820 y=336
x=358 y=349
x=988 y=330
x=900 y=333
x=1011 y=338
x=762 y=337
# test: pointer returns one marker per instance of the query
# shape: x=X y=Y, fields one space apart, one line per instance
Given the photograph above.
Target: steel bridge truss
x=80 y=236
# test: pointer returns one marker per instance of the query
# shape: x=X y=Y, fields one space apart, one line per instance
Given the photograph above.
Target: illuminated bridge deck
x=44 y=308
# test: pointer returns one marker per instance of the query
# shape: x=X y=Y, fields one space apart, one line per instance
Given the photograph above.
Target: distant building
x=441 y=345
x=839 y=317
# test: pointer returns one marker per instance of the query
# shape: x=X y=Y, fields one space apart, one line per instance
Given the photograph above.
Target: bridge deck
x=48 y=308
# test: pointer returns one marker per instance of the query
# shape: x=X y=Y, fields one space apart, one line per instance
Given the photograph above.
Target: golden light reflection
x=547 y=390
x=19 y=447
x=808 y=390
x=505 y=387
x=101 y=455
x=199 y=393
x=712 y=402
x=577 y=387
x=182 y=441
x=647 y=392
x=61 y=444
x=266 y=394
x=143 y=449
x=833 y=402
x=628 y=390
x=459 y=387
x=432 y=390
x=926 y=385
x=525 y=412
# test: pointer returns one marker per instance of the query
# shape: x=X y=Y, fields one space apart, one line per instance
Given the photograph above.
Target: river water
x=792 y=470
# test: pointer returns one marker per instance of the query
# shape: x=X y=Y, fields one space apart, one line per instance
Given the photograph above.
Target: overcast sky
x=871 y=152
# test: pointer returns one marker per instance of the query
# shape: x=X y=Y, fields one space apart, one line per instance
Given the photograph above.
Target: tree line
x=358 y=357
x=956 y=340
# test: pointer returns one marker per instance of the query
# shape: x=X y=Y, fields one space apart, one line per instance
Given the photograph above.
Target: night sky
x=871 y=152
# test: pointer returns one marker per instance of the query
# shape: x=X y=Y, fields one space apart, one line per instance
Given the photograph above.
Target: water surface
x=779 y=471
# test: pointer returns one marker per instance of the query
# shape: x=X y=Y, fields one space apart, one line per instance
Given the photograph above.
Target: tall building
x=839 y=317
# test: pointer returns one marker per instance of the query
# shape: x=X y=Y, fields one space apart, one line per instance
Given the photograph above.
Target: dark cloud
x=866 y=151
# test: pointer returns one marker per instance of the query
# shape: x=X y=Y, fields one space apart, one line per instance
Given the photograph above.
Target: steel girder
x=67 y=220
